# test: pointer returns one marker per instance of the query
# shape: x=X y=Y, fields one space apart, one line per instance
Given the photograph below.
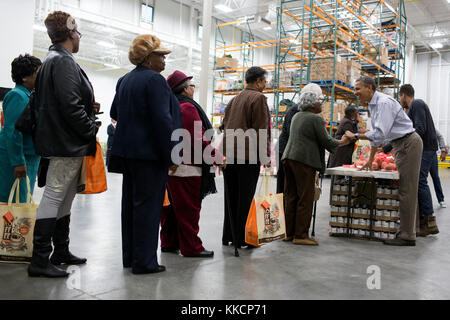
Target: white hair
x=309 y=96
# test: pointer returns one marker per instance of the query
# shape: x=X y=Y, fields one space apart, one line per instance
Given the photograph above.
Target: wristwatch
x=357 y=136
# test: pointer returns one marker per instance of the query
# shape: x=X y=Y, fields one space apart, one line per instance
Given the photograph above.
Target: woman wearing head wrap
x=65 y=133
x=303 y=157
x=146 y=112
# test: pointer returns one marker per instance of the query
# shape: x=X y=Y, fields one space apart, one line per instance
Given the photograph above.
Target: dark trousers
x=299 y=198
x=240 y=182
x=424 y=195
x=179 y=221
x=434 y=172
x=144 y=183
x=280 y=175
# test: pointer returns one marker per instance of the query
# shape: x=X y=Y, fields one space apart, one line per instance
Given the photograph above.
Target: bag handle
x=16 y=187
x=264 y=181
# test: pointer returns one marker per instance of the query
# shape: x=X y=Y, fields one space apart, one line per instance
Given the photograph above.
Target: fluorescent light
x=267 y=28
x=223 y=8
x=110 y=65
x=438 y=45
x=106 y=44
x=39 y=27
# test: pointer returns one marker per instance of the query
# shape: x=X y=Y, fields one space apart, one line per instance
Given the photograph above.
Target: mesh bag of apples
x=382 y=161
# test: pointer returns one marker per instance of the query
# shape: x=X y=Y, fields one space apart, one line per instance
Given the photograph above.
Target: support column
x=410 y=63
x=206 y=43
x=16 y=36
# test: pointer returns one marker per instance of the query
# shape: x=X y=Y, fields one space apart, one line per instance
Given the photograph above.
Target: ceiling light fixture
x=223 y=8
x=437 y=45
x=106 y=44
x=267 y=28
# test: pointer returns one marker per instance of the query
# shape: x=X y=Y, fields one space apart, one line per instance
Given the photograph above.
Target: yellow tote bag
x=17 y=222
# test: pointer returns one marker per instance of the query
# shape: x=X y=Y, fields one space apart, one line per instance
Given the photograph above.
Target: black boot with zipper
x=62 y=255
x=40 y=265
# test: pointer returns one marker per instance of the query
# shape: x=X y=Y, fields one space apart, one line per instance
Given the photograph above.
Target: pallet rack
x=366 y=24
x=245 y=50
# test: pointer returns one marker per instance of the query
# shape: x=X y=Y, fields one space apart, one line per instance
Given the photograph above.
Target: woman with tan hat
x=146 y=112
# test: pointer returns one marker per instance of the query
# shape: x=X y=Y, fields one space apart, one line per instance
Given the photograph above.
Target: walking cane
x=230 y=215
x=313 y=233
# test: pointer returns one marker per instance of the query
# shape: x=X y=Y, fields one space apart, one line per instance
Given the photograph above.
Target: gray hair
x=180 y=88
x=310 y=96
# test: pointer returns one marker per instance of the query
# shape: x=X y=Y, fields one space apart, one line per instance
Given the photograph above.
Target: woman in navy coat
x=146 y=112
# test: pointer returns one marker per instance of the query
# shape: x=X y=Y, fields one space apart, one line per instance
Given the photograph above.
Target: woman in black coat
x=147 y=113
x=344 y=154
x=65 y=133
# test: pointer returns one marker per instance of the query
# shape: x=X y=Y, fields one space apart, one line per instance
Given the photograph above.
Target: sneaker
x=443 y=204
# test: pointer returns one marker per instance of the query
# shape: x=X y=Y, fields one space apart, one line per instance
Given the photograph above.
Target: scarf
x=208 y=184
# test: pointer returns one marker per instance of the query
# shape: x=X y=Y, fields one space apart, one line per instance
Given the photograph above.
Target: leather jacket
x=65 y=124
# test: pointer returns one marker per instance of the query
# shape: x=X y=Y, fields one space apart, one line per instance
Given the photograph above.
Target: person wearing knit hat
x=147 y=113
x=192 y=181
x=303 y=157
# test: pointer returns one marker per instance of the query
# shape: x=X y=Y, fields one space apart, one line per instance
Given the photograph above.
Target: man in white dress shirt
x=390 y=122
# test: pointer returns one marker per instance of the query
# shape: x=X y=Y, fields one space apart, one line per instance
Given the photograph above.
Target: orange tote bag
x=93 y=174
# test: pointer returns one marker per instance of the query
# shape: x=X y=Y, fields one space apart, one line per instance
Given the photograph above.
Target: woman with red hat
x=191 y=182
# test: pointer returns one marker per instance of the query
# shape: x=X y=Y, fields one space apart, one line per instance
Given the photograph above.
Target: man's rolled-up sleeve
x=381 y=125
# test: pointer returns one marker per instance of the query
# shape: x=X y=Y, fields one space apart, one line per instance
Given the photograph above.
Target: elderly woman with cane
x=303 y=157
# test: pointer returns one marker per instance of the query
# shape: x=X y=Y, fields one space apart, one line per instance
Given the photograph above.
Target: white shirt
x=389 y=121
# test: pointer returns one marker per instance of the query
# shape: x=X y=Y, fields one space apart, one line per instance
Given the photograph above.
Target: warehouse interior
x=216 y=41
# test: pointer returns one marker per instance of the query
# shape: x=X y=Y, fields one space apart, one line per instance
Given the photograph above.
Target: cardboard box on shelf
x=338 y=111
x=326 y=38
x=353 y=72
x=377 y=54
x=323 y=69
x=227 y=63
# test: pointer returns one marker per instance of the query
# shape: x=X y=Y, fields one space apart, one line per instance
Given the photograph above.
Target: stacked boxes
x=384 y=222
x=326 y=38
x=353 y=71
x=377 y=53
x=338 y=111
x=322 y=69
x=226 y=63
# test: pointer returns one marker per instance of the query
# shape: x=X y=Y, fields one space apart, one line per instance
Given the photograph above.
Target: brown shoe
x=432 y=225
x=288 y=239
x=400 y=242
x=424 y=231
x=306 y=242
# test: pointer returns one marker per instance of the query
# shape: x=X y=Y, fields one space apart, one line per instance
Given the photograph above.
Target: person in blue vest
x=147 y=113
x=18 y=158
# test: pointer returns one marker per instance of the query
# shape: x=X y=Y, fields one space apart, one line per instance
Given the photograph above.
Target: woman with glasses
x=191 y=182
x=65 y=133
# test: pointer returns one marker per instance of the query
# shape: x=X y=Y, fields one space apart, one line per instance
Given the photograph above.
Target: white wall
x=431 y=81
x=16 y=35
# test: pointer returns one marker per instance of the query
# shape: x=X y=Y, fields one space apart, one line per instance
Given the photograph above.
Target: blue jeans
x=424 y=196
x=434 y=171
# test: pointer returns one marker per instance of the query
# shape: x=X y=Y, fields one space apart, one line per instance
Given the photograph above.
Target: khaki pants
x=408 y=156
x=299 y=190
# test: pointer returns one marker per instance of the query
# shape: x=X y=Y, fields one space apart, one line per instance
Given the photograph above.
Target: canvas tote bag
x=17 y=222
x=265 y=221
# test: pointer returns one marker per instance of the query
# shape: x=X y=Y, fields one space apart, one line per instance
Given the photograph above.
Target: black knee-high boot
x=61 y=243
x=42 y=248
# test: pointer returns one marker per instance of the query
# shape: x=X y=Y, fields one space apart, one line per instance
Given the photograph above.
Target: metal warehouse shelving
x=366 y=23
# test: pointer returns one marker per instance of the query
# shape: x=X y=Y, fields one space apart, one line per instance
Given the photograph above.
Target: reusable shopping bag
x=265 y=221
x=93 y=174
x=166 y=200
x=17 y=222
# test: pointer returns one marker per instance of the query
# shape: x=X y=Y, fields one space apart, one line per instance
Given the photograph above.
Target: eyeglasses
x=192 y=85
x=79 y=33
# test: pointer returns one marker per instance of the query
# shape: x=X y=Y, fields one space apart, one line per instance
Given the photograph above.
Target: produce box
x=227 y=63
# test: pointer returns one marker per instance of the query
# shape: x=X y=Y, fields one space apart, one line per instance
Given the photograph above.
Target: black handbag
x=26 y=123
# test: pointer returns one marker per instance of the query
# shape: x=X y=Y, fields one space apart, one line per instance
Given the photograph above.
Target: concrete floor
x=336 y=269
